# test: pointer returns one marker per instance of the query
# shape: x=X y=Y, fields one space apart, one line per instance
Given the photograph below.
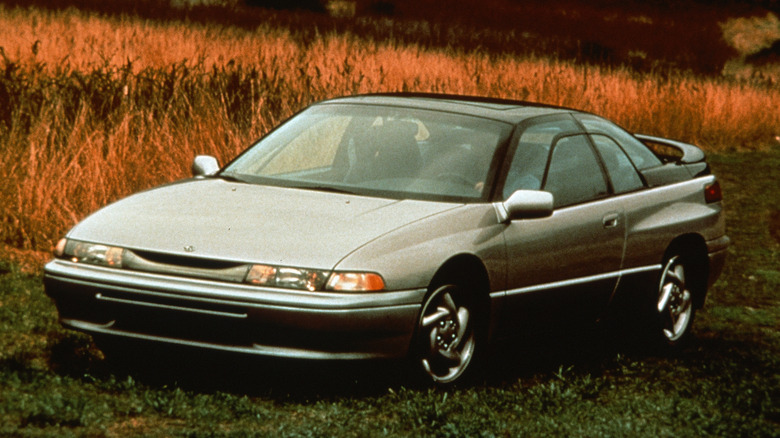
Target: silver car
x=403 y=225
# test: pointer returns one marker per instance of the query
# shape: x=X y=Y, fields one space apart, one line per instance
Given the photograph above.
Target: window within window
x=530 y=159
x=574 y=175
x=640 y=155
x=621 y=172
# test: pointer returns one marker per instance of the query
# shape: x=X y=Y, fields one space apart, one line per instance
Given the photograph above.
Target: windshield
x=377 y=151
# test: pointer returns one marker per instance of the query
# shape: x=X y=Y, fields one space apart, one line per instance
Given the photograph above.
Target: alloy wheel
x=446 y=335
x=675 y=301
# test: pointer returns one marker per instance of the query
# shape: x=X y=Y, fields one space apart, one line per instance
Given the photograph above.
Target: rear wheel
x=674 y=305
x=447 y=335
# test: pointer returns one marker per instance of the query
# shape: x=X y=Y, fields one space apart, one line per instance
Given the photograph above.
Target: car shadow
x=588 y=350
x=76 y=355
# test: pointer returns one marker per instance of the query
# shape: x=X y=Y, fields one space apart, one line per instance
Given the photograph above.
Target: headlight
x=311 y=279
x=293 y=278
x=91 y=253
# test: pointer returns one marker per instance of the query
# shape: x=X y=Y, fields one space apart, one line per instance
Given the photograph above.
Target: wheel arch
x=469 y=271
x=470 y=277
x=693 y=248
x=466 y=269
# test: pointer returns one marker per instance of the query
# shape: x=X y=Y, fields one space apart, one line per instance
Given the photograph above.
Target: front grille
x=185 y=261
x=184 y=266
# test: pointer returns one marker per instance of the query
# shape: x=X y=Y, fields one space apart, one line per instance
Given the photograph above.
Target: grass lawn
x=53 y=382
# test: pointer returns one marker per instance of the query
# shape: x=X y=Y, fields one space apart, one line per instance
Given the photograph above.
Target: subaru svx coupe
x=419 y=226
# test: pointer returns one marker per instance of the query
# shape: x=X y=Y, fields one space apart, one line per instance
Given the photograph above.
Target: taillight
x=712 y=192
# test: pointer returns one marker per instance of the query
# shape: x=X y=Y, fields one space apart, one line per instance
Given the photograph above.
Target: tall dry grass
x=93 y=108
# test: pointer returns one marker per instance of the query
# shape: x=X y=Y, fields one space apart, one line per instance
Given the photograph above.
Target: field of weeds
x=95 y=107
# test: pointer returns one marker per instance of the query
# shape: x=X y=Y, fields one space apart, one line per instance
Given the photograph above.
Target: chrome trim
x=577 y=281
x=299 y=353
x=102 y=297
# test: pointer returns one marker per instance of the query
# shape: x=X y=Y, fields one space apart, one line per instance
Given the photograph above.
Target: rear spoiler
x=690 y=153
x=682 y=161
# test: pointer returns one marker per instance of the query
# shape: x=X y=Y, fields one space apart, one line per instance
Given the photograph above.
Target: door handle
x=610 y=220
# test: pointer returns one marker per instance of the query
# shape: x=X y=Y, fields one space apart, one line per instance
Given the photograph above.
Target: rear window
x=638 y=152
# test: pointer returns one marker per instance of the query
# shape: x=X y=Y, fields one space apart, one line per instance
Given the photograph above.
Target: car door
x=564 y=268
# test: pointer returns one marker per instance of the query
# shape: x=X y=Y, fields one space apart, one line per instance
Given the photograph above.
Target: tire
x=674 y=304
x=448 y=336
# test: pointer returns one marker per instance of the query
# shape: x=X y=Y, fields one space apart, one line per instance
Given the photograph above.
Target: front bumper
x=233 y=317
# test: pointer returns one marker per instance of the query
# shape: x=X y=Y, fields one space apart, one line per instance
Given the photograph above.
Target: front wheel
x=447 y=335
x=674 y=305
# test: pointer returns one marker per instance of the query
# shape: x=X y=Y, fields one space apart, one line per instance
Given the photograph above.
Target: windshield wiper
x=230 y=177
x=323 y=189
x=246 y=180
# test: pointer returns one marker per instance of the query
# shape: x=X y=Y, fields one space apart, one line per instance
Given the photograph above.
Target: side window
x=621 y=172
x=527 y=168
x=574 y=174
x=640 y=155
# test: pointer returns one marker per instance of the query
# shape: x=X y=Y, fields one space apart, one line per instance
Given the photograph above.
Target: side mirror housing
x=204 y=165
x=526 y=204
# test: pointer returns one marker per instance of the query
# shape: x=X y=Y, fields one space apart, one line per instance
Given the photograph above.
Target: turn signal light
x=355 y=282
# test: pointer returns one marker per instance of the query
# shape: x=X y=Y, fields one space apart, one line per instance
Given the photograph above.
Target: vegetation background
x=101 y=99
x=109 y=98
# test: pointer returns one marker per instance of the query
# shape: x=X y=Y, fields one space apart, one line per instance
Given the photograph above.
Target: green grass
x=53 y=382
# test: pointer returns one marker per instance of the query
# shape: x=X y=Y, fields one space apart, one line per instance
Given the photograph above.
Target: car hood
x=221 y=220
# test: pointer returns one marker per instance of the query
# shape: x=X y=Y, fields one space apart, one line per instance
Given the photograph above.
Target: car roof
x=510 y=111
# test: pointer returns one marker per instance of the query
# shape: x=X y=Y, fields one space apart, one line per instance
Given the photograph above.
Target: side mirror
x=204 y=165
x=526 y=204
